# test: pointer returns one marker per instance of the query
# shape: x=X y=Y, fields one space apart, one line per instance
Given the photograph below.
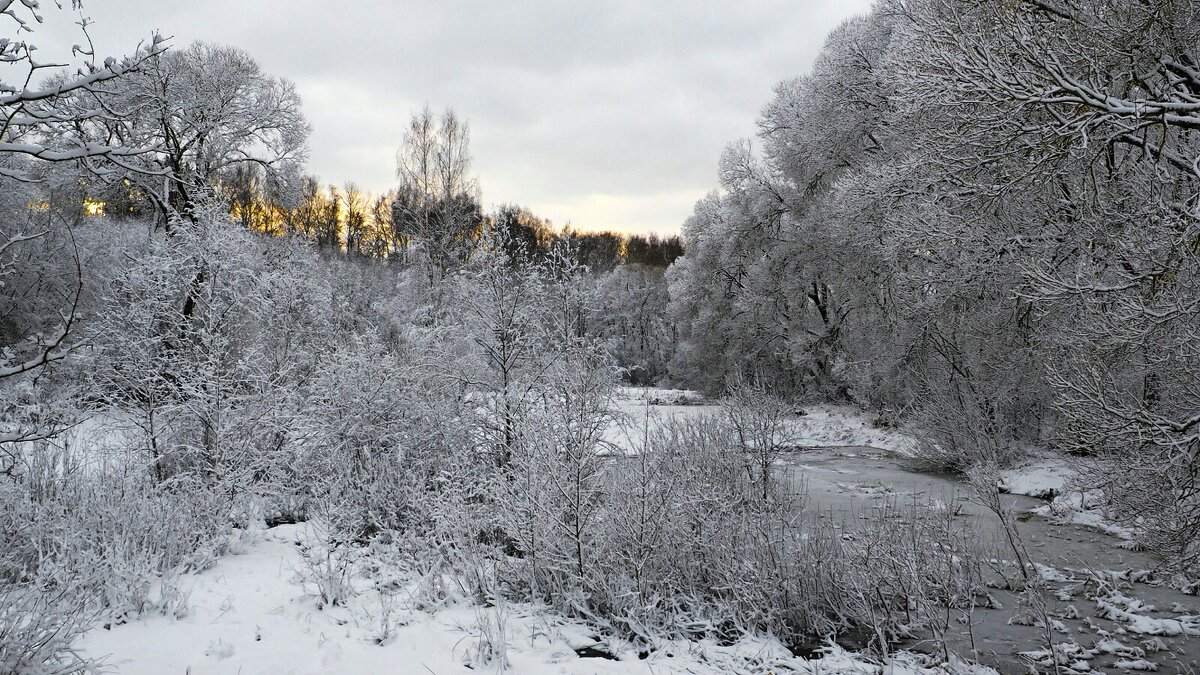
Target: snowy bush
x=38 y=628
x=76 y=548
x=118 y=537
x=326 y=563
x=680 y=542
x=760 y=419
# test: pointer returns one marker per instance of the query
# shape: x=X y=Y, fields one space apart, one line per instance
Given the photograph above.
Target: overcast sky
x=608 y=114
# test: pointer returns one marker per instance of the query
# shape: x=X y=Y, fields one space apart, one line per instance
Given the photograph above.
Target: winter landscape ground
x=257 y=609
x=914 y=389
x=252 y=613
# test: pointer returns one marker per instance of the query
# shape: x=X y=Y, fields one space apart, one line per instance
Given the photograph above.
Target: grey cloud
x=607 y=114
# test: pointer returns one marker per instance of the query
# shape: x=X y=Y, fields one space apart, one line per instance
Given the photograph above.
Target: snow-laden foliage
x=983 y=217
x=978 y=218
x=37 y=120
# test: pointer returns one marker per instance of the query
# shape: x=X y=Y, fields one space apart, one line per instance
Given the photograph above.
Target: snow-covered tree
x=35 y=118
x=207 y=111
x=436 y=209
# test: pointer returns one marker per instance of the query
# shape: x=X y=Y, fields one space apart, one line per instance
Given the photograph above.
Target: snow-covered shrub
x=908 y=567
x=760 y=418
x=386 y=462
x=491 y=644
x=686 y=546
x=1157 y=500
x=554 y=491
x=76 y=547
x=326 y=562
x=378 y=426
x=640 y=529
x=733 y=554
x=202 y=346
x=138 y=537
x=39 y=626
x=1137 y=436
x=114 y=535
x=675 y=538
x=461 y=532
x=964 y=423
x=141 y=537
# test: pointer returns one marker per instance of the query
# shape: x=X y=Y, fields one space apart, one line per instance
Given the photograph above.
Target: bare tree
x=382 y=244
x=357 y=224
x=502 y=301
x=760 y=419
x=437 y=203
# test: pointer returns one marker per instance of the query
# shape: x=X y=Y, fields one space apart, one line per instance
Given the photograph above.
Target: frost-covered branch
x=35 y=120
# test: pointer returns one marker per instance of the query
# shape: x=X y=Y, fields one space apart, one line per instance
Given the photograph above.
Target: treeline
x=419 y=213
x=381 y=226
x=985 y=218
x=203 y=127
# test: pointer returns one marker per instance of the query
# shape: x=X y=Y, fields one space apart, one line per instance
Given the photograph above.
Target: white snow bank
x=820 y=425
x=828 y=425
x=660 y=396
x=1050 y=477
x=1044 y=478
x=249 y=615
x=1082 y=508
x=101 y=441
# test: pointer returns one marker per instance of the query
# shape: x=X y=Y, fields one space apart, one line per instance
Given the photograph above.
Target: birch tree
x=436 y=207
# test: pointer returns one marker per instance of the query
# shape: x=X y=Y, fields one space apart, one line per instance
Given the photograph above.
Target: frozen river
x=848 y=469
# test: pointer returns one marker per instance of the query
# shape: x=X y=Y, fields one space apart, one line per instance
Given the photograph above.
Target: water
x=846 y=481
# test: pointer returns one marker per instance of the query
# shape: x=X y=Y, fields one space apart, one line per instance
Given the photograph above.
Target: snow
x=814 y=426
x=1138 y=664
x=828 y=425
x=1050 y=477
x=98 y=442
x=1111 y=646
x=1044 y=478
x=1082 y=508
x=254 y=613
x=250 y=614
x=1118 y=607
x=661 y=396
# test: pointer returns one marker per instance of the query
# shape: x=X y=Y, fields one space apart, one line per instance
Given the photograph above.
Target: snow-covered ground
x=827 y=425
x=813 y=426
x=255 y=612
x=1050 y=477
x=251 y=613
x=98 y=441
x=1044 y=478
